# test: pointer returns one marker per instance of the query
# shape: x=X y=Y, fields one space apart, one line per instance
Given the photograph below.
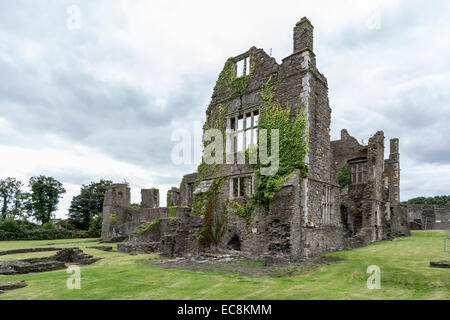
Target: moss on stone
x=148 y=227
x=173 y=211
x=228 y=77
x=113 y=218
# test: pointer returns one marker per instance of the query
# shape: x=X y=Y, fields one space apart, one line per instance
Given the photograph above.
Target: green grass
x=404 y=263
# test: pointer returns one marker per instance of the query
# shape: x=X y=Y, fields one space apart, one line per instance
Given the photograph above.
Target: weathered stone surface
x=187 y=188
x=74 y=255
x=30 y=265
x=103 y=248
x=440 y=264
x=150 y=198
x=428 y=217
x=143 y=247
x=173 y=197
x=203 y=186
x=26 y=250
x=56 y=262
x=12 y=285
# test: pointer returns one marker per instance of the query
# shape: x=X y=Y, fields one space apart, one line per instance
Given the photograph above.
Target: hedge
x=46 y=235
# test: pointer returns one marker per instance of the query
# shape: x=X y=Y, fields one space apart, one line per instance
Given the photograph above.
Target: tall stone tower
x=393 y=171
x=117 y=199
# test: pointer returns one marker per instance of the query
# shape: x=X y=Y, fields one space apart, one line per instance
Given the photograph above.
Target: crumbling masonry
x=310 y=215
x=428 y=217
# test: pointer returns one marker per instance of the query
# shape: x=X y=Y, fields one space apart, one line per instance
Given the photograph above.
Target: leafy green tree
x=96 y=224
x=88 y=205
x=21 y=207
x=440 y=201
x=49 y=226
x=343 y=176
x=45 y=195
x=11 y=196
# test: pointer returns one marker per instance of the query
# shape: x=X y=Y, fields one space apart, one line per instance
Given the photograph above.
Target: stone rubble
x=12 y=286
x=56 y=262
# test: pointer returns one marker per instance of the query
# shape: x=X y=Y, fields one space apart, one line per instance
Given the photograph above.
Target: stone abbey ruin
x=428 y=217
x=309 y=212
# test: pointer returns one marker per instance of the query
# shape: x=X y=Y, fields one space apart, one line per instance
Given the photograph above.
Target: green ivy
x=183 y=182
x=173 y=211
x=244 y=211
x=205 y=204
x=207 y=235
x=268 y=91
x=113 y=218
x=148 y=227
x=201 y=199
x=343 y=176
x=228 y=77
x=293 y=143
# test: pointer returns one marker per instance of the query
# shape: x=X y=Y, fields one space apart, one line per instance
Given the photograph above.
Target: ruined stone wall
x=427 y=217
x=309 y=215
x=442 y=221
x=173 y=197
x=117 y=199
x=120 y=219
x=392 y=172
x=170 y=236
x=276 y=232
x=174 y=230
x=150 y=198
x=299 y=85
x=347 y=148
x=375 y=162
x=370 y=209
x=187 y=189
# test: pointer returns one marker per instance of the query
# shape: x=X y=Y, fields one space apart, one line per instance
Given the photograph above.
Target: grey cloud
x=59 y=94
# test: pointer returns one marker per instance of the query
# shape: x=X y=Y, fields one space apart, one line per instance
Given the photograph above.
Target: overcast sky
x=102 y=100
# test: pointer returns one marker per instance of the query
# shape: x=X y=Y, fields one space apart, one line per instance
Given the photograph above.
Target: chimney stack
x=303 y=35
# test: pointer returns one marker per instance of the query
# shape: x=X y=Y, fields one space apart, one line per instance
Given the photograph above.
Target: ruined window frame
x=236 y=192
x=359 y=173
x=247 y=132
x=327 y=205
x=243 y=67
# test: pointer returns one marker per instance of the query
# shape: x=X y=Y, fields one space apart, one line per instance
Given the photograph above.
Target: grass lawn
x=404 y=263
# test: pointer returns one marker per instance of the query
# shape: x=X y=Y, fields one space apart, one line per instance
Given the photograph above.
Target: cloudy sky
x=102 y=97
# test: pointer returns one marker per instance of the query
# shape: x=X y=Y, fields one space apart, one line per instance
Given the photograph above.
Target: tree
x=11 y=195
x=440 y=201
x=45 y=195
x=88 y=205
x=21 y=207
x=343 y=176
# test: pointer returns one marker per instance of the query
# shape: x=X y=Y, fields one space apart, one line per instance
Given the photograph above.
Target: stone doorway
x=234 y=243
